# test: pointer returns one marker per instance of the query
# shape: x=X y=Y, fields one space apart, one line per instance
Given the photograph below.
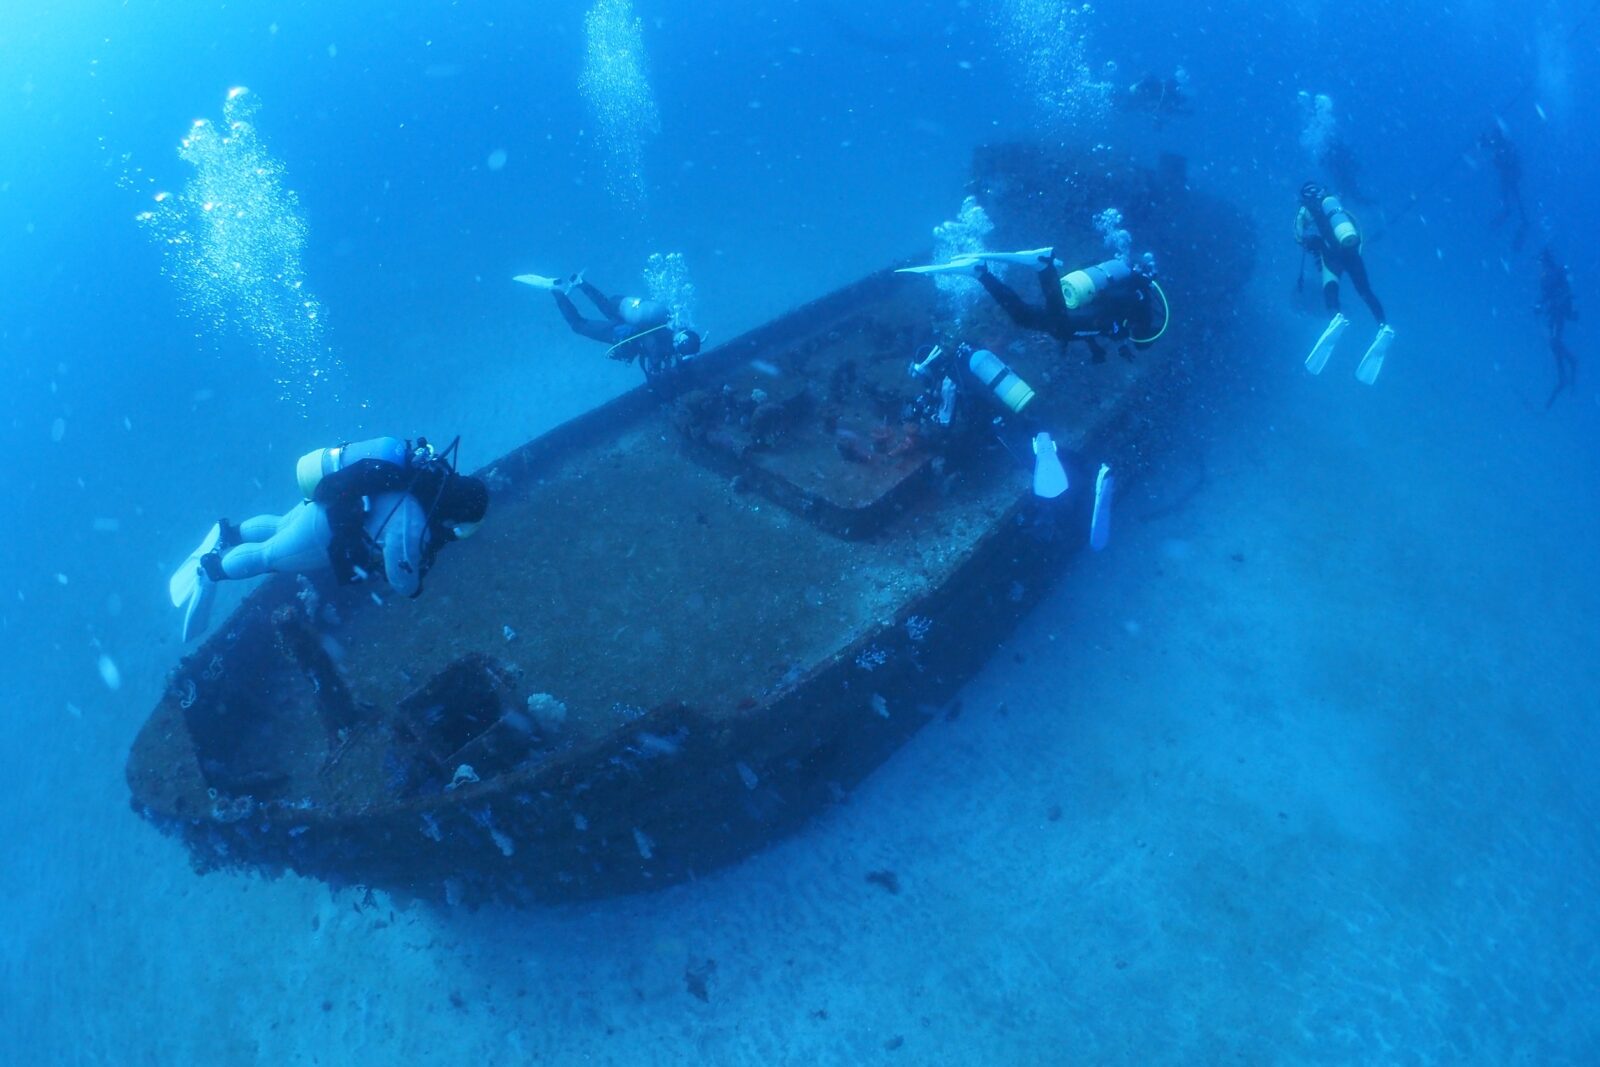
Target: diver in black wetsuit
x=1338 y=250
x=1555 y=305
x=1122 y=313
x=634 y=327
x=1161 y=97
x=1508 y=166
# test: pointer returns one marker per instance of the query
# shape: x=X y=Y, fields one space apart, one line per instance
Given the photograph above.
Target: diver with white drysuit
x=380 y=502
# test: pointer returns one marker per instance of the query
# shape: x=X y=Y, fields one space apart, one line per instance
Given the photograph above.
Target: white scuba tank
x=1340 y=224
x=1000 y=380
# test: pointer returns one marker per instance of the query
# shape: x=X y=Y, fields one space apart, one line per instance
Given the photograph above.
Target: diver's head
x=1311 y=193
x=463 y=500
x=686 y=343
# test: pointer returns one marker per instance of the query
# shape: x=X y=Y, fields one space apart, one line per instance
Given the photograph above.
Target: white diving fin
x=1372 y=362
x=197 y=609
x=538 y=281
x=188 y=574
x=1049 y=476
x=1036 y=257
x=1324 y=346
x=1100 y=523
x=961 y=263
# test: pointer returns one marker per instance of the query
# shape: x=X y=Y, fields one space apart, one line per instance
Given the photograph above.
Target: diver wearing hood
x=1111 y=301
x=383 y=503
x=1555 y=307
x=634 y=327
x=1325 y=229
x=1507 y=163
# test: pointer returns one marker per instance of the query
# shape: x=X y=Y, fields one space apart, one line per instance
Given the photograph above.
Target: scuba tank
x=1340 y=224
x=638 y=312
x=316 y=465
x=1082 y=286
x=1000 y=380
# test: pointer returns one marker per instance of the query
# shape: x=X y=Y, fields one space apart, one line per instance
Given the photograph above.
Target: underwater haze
x=1303 y=768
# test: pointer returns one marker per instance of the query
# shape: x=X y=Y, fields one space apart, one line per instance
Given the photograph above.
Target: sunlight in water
x=667 y=281
x=965 y=233
x=1048 y=43
x=619 y=95
x=233 y=239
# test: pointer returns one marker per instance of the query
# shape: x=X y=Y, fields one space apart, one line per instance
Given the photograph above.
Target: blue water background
x=1410 y=651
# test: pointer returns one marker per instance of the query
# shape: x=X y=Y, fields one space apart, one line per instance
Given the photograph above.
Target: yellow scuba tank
x=317 y=464
x=1000 y=380
x=1340 y=224
x=1081 y=287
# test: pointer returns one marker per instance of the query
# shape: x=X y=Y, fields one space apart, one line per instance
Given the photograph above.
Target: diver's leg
x=1055 y=301
x=609 y=306
x=260 y=528
x=1029 y=318
x=245 y=558
x=298 y=543
x=593 y=329
x=1358 y=278
x=1566 y=370
x=1330 y=285
x=1511 y=196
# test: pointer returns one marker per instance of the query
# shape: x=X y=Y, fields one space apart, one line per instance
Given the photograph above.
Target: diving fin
x=1049 y=476
x=961 y=263
x=1100 y=523
x=1324 y=346
x=197 y=609
x=1037 y=257
x=539 y=281
x=182 y=583
x=1372 y=362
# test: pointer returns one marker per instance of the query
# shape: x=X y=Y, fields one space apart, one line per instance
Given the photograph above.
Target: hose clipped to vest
x=611 y=352
x=1166 y=316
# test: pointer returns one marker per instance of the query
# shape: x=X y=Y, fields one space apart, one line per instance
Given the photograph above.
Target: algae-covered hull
x=688 y=623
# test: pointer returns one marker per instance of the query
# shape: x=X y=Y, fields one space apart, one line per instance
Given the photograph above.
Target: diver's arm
x=403 y=540
x=1300 y=221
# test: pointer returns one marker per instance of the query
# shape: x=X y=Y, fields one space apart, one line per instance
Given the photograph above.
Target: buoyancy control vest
x=341 y=480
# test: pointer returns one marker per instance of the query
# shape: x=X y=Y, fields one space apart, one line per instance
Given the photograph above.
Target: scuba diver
x=1324 y=229
x=380 y=503
x=634 y=327
x=1161 y=97
x=943 y=409
x=1555 y=306
x=1508 y=166
x=1110 y=300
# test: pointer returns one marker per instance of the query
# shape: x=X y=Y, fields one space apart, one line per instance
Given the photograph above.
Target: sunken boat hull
x=689 y=623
